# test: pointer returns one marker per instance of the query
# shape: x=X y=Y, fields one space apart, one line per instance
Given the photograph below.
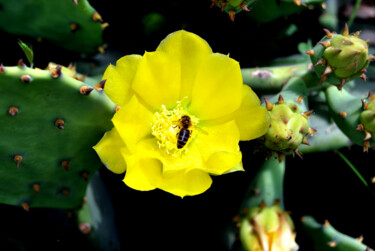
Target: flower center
x=174 y=129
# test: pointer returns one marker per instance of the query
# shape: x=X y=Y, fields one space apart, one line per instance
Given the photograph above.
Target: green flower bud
x=267 y=228
x=340 y=57
x=288 y=127
x=367 y=119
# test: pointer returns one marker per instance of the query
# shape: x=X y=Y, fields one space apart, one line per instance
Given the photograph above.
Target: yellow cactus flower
x=268 y=229
x=183 y=111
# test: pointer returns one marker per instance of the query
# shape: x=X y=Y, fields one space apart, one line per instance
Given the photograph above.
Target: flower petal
x=144 y=173
x=119 y=79
x=251 y=118
x=133 y=122
x=109 y=151
x=190 y=50
x=183 y=183
x=217 y=89
x=157 y=81
x=218 y=145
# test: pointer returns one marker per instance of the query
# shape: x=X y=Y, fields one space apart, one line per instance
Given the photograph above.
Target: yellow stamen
x=166 y=126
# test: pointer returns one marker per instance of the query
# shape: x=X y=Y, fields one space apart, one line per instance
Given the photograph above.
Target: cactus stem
x=367 y=135
x=332 y=244
x=232 y=15
x=56 y=72
x=25 y=206
x=84 y=90
x=20 y=63
x=281 y=100
x=326 y=44
x=310 y=52
x=2 y=69
x=307 y=114
x=343 y=114
x=328 y=33
x=18 y=159
x=36 y=188
x=60 y=124
x=269 y=105
x=345 y=32
x=26 y=78
x=97 y=18
x=65 y=164
x=311 y=131
x=366 y=145
x=243 y=6
x=13 y=111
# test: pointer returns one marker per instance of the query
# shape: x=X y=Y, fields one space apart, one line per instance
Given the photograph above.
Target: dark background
x=321 y=185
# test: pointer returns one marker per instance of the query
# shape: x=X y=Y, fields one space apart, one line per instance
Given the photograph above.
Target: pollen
x=166 y=127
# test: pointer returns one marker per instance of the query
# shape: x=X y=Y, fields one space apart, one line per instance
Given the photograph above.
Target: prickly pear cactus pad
x=56 y=21
x=49 y=123
x=338 y=58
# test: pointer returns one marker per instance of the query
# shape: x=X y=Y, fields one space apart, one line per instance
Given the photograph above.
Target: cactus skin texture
x=289 y=126
x=327 y=238
x=49 y=123
x=367 y=117
x=339 y=58
x=232 y=7
x=346 y=110
x=55 y=21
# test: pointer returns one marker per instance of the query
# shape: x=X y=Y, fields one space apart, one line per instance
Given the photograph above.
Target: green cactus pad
x=367 y=117
x=72 y=26
x=327 y=238
x=345 y=110
x=49 y=123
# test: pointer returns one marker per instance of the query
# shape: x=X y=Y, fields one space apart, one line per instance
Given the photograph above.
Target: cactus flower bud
x=367 y=119
x=340 y=57
x=288 y=127
x=268 y=228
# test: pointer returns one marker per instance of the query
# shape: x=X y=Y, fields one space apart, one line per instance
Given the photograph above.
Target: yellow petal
x=217 y=90
x=133 y=122
x=218 y=145
x=119 y=79
x=183 y=183
x=108 y=149
x=157 y=81
x=190 y=50
x=143 y=173
x=251 y=118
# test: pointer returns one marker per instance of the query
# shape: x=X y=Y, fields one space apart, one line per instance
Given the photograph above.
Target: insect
x=184 y=133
